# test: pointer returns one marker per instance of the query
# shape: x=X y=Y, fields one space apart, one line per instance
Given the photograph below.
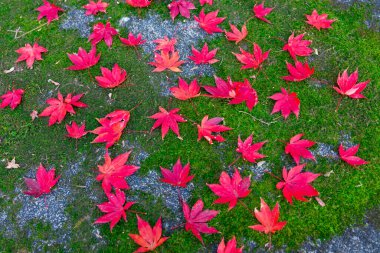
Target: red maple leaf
x=297 y=184
x=165 y=44
x=182 y=7
x=231 y=247
x=179 y=176
x=348 y=155
x=166 y=60
x=102 y=32
x=261 y=12
x=12 y=98
x=268 y=218
x=248 y=150
x=133 y=41
x=230 y=190
x=203 y=2
x=139 y=3
x=204 y=56
x=223 y=89
x=167 y=120
x=111 y=79
x=319 y=21
x=75 y=131
x=236 y=35
x=286 y=103
x=30 y=54
x=48 y=10
x=297 y=46
x=209 y=22
x=299 y=72
x=252 y=60
x=92 y=8
x=348 y=86
x=45 y=180
x=239 y=92
x=197 y=218
x=83 y=60
x=186 y=91
x=112 y=126
x=298 y=148
x=210 y=126
x=115 y=208
x=113 y=172
x=59 y=107
x=149 y=239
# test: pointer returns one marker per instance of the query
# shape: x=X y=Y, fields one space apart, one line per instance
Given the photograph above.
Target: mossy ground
x=348 y=193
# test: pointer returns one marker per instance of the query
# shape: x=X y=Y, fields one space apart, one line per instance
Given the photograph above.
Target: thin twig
x=273 y=175
x=260 y=120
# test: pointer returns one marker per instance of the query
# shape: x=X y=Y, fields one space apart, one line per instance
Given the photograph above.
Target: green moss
x=348 y=193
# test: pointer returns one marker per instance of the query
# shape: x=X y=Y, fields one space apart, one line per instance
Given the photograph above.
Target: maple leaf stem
x=135 y=106
x=234 y=161
x=178 y=226
x=281 y=39
x=194 y=108
x=89 y=73
x=270 y=241
x=249 y=19
x=76 y=144
x=338 y=105
x=136 y=212
x=249 y=41
x=246 y=207
x=137 y=53
x=273 y=175
x=179 y=195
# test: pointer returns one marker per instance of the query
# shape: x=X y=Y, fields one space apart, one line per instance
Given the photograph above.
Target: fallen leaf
x=148 y=239
x=210 y=126
x=48 y=10
x=34 y=115
x=12 y=98
x=30 y=54
x=319 y=21
x=179 y=176
x=348 y=155
x=268 y=219
x=92 y=8
x=197 y=218
x=348 y=86
x=261 y=12
x=102 y=32
x=114 y=171
x=297 y=46
x=167 y=120
x=297 y=184
x=7 y=71
x=248 y=150
x=115 y=209
x=231 y=247
x=209 y=22
x=12 y=164
x=230 y=189
x=45 y=180
x=299 y=148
